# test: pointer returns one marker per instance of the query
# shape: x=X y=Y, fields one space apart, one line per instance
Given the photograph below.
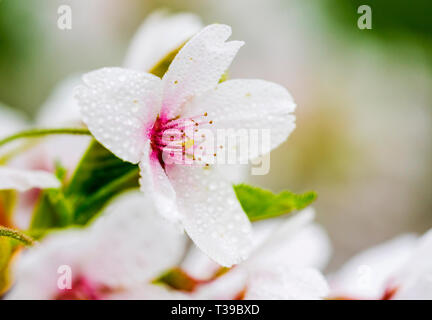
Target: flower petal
x=23 y=180
x=126 y=247
x=61 y=108
x=119 y=106
x=413 y=280
x=275 y=241
x=155 y=183
x=242 y=105
x=211 y=213
x=367 y=275
x=287 y=284
x=160 y=34
x=292 y=242
x=149 y=292
x=35 y=270
x=141 y=244
x=229 y=286
x=11 y=121
x=198 y=67
x=198 y=265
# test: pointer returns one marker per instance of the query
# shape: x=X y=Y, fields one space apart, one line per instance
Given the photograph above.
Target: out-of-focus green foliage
x=392 y=20
x=10 y=242
x=17 y=33
x=20 y=43
x=7 y=204
x=6 y=251
x=262 y=204
x=390 y=17
x=53 y=210
x=177 y=279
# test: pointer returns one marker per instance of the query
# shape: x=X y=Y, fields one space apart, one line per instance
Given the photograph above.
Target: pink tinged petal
x=119 y=106
x=155 y=183
x=149 y=292
x=36 y=269
x=211 y=213
x=198 y=67
x=126 y=247
x=159 y=35
x=287 y=284
x=259 y=110
x=23 y=180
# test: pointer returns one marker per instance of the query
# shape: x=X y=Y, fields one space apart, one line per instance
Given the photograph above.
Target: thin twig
x=33 y=133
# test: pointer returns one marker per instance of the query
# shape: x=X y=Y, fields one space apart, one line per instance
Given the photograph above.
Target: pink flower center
x=177 y=139
x=83 y=289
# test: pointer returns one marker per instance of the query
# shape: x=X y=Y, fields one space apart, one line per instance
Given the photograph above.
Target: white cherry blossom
x=158 y=36
x=143 y=119
x=284 y=264
x=119 y=254
x=398 y=269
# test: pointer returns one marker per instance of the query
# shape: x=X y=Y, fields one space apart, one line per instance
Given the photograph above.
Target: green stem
x=17 y=235
x=33 y=133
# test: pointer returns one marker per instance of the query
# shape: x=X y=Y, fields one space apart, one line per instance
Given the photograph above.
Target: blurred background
x=363 y=137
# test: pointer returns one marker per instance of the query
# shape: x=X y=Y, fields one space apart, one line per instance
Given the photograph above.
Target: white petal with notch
x=198 y=67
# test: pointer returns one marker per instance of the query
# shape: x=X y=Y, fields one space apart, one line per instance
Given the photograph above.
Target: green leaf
x=99 y=176
x=262 y=204
x=52 y=211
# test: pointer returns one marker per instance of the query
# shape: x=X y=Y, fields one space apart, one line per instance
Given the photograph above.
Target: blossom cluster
x=142 y=205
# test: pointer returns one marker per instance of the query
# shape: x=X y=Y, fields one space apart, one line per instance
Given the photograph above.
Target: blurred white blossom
x=124 y=249
x=398 y=269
